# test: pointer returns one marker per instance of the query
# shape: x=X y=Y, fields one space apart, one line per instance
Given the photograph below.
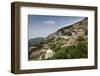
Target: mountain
x=73 y=28
x=35 y=41
x=69 y=35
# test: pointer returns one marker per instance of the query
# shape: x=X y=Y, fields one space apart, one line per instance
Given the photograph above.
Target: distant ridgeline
x=69 y=42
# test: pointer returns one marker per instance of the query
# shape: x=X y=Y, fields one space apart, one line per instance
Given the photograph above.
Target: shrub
x=78 y=51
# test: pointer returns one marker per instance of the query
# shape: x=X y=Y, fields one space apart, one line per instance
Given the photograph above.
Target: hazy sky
x=42 y=26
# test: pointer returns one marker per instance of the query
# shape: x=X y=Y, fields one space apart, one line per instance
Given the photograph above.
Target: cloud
x=49 y=22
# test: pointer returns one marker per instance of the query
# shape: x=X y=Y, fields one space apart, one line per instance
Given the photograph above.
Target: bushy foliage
x=78 y=51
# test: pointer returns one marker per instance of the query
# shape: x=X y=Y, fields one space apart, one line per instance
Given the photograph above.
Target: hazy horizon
x=42 y=26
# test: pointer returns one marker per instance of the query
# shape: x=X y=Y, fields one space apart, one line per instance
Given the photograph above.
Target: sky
x=42 y=26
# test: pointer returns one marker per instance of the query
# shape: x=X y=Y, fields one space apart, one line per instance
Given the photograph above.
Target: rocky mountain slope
x=71 y=29
x=71 y=33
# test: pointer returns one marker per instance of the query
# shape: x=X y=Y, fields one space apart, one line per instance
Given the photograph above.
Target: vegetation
x=79 y=50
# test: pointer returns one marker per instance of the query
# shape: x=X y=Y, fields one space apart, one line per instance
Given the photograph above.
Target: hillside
x=69 y=42
x=74 y=28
